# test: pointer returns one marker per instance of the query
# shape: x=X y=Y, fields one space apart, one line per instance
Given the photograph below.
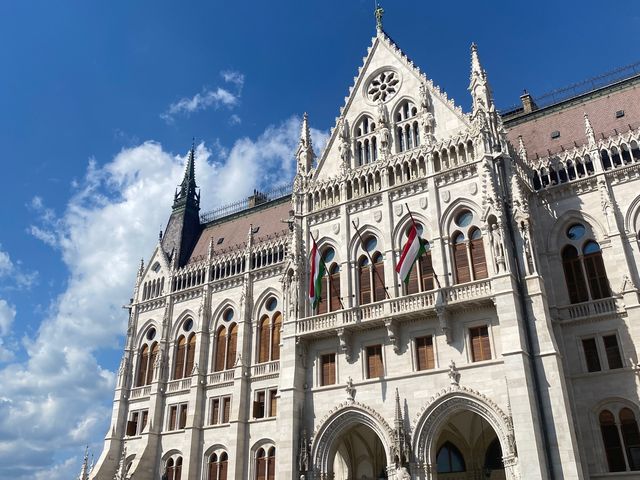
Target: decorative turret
x=479 y=86
x=183 y=227
x=588 y=131
x=305 y=154
x=401 y=445
x=85 y=470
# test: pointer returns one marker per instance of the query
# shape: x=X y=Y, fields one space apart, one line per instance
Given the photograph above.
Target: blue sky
x=98 y=105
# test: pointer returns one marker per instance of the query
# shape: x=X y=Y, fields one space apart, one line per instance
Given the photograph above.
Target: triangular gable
x=384 y=53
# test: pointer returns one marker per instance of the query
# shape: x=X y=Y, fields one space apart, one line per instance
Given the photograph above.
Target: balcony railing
x=221 y=377
x=265 y=368
x=408 y=305
x=139 y=392
x=592 y=308
x=179 y=385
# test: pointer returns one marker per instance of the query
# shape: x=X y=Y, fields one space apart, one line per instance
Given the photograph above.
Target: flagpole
x=386 y=292
x=435 y=275
x=331 y=285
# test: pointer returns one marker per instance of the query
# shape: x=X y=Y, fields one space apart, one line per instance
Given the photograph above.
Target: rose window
x=383 y=87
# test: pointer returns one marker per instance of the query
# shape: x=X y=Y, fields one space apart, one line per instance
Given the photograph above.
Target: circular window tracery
x=464 y=219
x=370 y=243
x=151 y=334
x=228 y=314
x=188 y=325
x=272 y=303
x=383 y=87
x=329 y=254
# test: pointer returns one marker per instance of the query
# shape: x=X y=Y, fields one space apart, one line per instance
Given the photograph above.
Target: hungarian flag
x=316 y=272
x=410 y=253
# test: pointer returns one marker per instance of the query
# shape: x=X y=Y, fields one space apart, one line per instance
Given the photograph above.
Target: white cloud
x=232 y=76
x=61 y=395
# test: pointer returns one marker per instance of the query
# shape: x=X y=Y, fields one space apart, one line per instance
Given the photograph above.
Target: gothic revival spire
x=84 y=470
x=479 y=85
x=305 y=154
x=187 y=195
x=397 y=420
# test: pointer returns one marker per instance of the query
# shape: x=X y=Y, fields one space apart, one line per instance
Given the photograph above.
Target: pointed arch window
x=232 y=346
x=366 y=142
x=221 y=346
x=330 y=297
x=218 y=466
x=266 y=464
x=364 y=276
x=449 y=459
x=146 y=359
x=583 y=265
x=421 y=277
x=184 y=350
x=469 y=257
x=476 y=251
x=269 y=334
x=460 y=259
x=173 y=469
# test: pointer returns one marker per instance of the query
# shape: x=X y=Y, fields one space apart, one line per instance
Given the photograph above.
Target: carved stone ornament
x=424 y=203
x=351 y=390
x=335 y=228
x=398 y=210
x=446 y=196
x=454 y=374
x=383 y=86
x=474 y=188
x=377 y=216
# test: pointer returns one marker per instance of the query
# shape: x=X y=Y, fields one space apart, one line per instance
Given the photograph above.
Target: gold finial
x=379 y=12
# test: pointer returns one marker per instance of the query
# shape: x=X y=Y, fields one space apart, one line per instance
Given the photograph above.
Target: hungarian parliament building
x=509 y=352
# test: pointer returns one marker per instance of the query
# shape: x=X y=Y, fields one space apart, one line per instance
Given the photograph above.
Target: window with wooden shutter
x=480 y=346
x=226 y=409
x=275 y=336
x=426 y=272
x=334 y=288
x=614 y=358
x=630 y=437
x=170 y=470
x=152 y=362
x=173 y=414
x=145 y=418
x=221 y=343
x=378 y=278
x=143 y=363
x=478 y=258
x=596 y=273
x=364 y=278
x=178 y=471
x=224 y=466
x=424 y=353
x=574 y=276
x=213 y=467
x=178 y=368
x=263 y=347
x=328 y=369
x=271 y=464
x=374 y=361
x=273 y=403
x=232 y=346
x=215 y=411
x=591 y=356
x=611 y=441
x=191 y=354
x=413 y=285
x=132 y=425
x=183 y=416
x=261 y=465
x=258 y=405
x=460 y=259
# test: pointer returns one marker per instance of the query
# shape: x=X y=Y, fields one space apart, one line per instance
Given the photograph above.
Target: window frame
x=468 y=340
x=365 y=364
x=270 y=393
x=603 y=358
x=319 y=373
x=140 y=424
x=220 y=420
x=180 y=407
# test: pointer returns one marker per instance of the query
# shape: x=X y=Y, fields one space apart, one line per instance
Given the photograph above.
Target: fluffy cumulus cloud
x=61 y=395
x=209 y=98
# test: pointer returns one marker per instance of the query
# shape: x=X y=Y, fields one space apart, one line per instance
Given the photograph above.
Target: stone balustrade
x=265 y=368
x=224 y=376
x=179 y=385
x=590 y=309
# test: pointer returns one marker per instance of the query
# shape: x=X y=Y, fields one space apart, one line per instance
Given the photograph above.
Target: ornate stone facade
x=494 y=349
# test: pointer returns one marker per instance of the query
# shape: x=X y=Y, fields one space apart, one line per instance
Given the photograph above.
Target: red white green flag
x=316 y=272
x=410 y=253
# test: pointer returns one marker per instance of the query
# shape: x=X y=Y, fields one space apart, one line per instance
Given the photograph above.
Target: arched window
x=449 y=459
x=378 y=277
x=173 y=469
x=611 y=440
x=583 y=266
x=421 y=276
x=143 y=366
x=221 y=345
x=180 y=351
x=330 y=295
x=364 y=277
x=630 y=437
x=147 y=358
x=232 y=346
x=406 y=126
x=469 y=256
x=366 y=144
x=191 y=353
x=333 y=292
x=269 y=332
x=266 y=464
x=218 y=466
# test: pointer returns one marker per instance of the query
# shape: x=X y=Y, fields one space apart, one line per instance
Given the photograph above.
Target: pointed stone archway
x=442 y=419
x=353 y=441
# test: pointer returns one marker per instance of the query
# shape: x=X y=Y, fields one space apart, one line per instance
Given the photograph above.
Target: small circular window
x=272 y=303
x=370 y=243
x=188 y=325
x=228 y=315
x=464 y=219
x=151 y=334
x=329 y=254
x=576 y=231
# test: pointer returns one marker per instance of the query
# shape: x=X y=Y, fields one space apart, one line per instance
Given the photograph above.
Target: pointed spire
x=398 y=413
x=187 y=195
x=478 y=85
x=476 y=68
x=588 y=131
x=379 y=13
x=305 y=154
x=84 y=470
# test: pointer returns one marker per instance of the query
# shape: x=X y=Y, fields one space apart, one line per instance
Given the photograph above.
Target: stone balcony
x=589 y=311
x=401 y=308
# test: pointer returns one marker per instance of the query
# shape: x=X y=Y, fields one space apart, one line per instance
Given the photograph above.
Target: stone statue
x=344 y=147
x=402 y=474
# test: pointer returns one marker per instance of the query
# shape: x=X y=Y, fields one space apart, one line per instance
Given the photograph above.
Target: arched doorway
x=352 y=443
x=358 y=454
x=468 y=448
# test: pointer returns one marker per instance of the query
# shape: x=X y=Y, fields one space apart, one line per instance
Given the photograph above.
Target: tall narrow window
x=152 y=362
x=573 y=275
x=263 y=347
x=378 y=277
x=275 y=336
x=424 y=353
x=143 y=365
x=631 y=438
x=365 y=280
x=611 y=440
x=374 y=361
x=478 y=259
x=596 y=274
x=221 y=343
x=273 y=403
x=261 y=465
x=480 y=346
x=178 y=474
x=232 y=346
x=178 y=368
x=170 y=470
x=213 y=467
x=215 y=411
x=591 y=354
x=271 y=464
x=614 y=359
x=191 y=352
x=226 y=409
x=224 y=466
x=334 y=287
x=328 y=369
x=460 y=259
x=258 y=405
